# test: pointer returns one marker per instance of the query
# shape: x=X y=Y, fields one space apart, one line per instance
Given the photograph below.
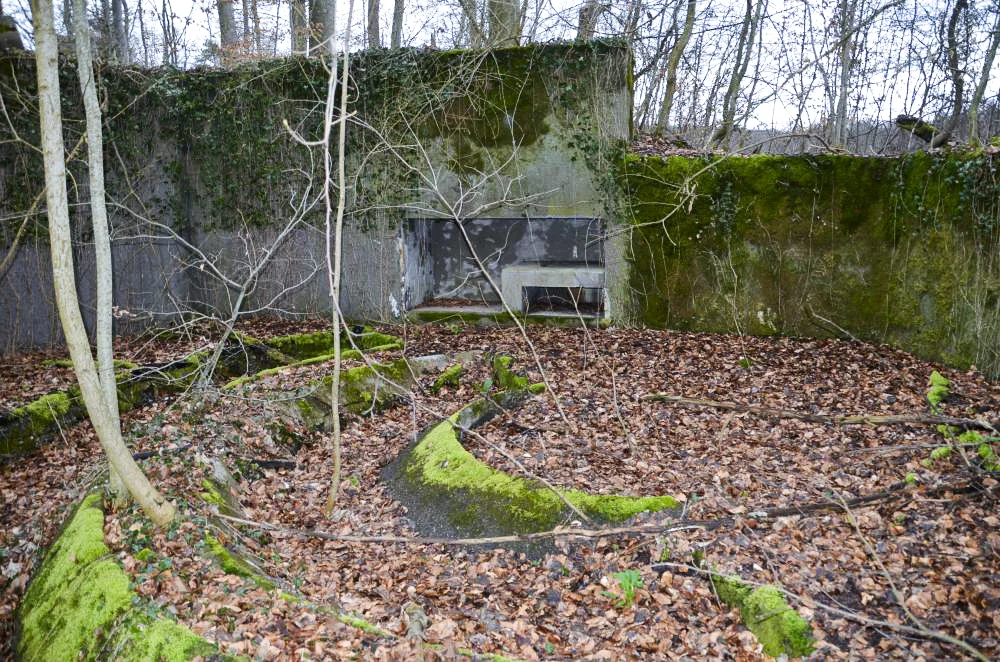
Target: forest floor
x=894 y=578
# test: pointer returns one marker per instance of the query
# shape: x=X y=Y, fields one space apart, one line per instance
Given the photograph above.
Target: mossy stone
x=79 y=605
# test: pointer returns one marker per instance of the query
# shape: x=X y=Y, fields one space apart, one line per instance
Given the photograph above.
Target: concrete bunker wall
x=524 y=142
x=203 y=172
x=904 y=250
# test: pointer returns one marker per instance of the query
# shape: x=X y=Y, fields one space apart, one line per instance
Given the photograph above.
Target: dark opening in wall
x=442 y=269
x=586 y=300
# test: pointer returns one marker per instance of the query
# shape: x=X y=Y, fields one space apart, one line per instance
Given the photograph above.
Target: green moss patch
x=24 y=427
x=898 y=250
x=346 y=355
x=79 y=605
x=766 y=613
x=450 y=377
x=304 y=346
x=441 y=475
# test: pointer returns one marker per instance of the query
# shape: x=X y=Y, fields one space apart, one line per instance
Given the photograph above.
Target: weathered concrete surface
x=203 y=175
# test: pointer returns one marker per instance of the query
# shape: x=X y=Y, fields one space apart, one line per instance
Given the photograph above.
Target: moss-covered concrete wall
x=898 y=250
x=210 y=154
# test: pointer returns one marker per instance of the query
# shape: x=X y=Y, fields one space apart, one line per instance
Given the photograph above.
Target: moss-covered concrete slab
x=23 y=429
x=448 y=490
x=245 y=358
x=79 y=605
x=364 y=389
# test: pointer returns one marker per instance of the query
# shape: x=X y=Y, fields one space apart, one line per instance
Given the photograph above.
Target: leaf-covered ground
x=927 y=559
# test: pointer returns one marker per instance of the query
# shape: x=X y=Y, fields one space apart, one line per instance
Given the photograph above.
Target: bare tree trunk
x=142 y=35
x=748 y=34
x=169 y=35
x=504 y=23
x=673 y=61
x=99 y=219
x=957 y=78
x=590 y=12
x=227 y=27
x=322 y=24
x=848 y=11
x=118 y=35
x=374 y=40
x=299 y=25
x=397 y=24
x=245 y=34
x=632 y=22
x=334 y=268
x=984 y=79
x=67 y=302
x=477 y=31
x=67 y=17
x=256 y=27
x=107 y=34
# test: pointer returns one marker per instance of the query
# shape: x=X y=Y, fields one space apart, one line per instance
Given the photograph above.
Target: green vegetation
x=79 y=605
x=480 y=500
x=938 y=390
x=233 y=564
x=629 y=581
x=450 y=377
x=506 y=379
x=766 y=613
x=899 y=250
x=24 y=427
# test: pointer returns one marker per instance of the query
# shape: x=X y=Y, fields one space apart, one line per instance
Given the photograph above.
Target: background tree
x=954 y=58
x=985 y=73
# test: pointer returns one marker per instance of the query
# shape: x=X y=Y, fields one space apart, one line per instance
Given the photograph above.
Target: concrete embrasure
x=516 y=277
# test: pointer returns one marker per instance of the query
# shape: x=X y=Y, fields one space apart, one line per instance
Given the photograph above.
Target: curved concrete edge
x=439 y=477
x=80 y=606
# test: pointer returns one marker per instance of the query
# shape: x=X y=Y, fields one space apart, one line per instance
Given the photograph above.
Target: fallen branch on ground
x=897 y=490
x=863 y=419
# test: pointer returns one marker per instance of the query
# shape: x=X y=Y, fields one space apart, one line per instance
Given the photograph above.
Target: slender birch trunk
x=99 y=219
x=334 y=267
x=109 y=434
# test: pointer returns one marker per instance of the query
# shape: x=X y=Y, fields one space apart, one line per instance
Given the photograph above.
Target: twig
x=591 y=534
x=561 y=532
x=831 y=323
x=863 y=419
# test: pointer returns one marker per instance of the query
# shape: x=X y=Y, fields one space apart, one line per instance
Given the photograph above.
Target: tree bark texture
x=67 y=301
